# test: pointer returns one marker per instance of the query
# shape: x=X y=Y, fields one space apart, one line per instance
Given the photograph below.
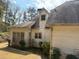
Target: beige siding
x=46 y=35
x=18 y=29
x=66 y=38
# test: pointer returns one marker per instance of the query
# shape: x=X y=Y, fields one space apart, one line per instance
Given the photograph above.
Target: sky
x=48 y=4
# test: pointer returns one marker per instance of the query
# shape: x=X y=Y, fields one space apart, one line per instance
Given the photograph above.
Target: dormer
x=43 y=13
x=43 y=17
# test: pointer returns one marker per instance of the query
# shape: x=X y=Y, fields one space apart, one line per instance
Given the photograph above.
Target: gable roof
x=67 y=13
x=36 y=24
x=26 y=24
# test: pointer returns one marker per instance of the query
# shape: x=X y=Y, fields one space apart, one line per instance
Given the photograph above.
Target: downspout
x=50 y=51
x=30 y=39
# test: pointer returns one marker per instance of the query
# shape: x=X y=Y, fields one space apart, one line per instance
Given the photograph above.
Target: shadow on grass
x=12 y=50
x=26 y=52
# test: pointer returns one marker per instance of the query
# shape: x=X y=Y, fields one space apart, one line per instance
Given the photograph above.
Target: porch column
x=30 y=39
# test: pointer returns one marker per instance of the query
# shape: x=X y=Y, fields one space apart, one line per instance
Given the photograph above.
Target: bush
x=56 y=53
x=22 y=44
x=70 y=56
x=45 y=47
x=0 y=35
x=40 y=44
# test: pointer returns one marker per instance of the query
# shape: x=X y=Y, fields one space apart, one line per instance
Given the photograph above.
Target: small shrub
x=0 y=35
x=22 y=44
x=45 y=47
x=70 y=56
x=40 y=44
x=56 y=53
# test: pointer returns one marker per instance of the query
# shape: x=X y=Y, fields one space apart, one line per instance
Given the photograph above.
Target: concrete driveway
x=10 y=53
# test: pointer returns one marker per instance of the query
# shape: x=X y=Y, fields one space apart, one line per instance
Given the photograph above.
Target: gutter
x=50 y=51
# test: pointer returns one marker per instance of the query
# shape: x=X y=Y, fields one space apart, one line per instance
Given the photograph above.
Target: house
x=59 y=27
x=33 y=32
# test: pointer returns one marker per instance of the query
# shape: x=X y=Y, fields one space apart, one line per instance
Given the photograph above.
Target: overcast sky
x=48 y=4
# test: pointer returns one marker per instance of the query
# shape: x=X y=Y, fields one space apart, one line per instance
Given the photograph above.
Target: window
x=14 y=36
x=18 y=35
x=38 y=35
x=22 y=36
x=43 y=17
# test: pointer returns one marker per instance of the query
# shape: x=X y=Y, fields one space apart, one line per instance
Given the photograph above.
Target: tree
x=2 y=9
x=10 y=13
x=31 y=11
x=12 y=16
x=19 y=18
x=6 y=11
x=15 y=14
x=29 y=15
x=24 y=16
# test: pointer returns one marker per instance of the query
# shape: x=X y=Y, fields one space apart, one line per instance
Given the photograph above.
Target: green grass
x=3 y=33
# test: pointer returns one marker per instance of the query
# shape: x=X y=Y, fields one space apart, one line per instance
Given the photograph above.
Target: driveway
x=10 y=53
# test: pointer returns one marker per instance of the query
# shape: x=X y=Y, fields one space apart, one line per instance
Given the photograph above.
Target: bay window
x=18 y=36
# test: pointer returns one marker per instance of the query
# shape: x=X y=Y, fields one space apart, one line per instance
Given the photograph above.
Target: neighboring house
x=60 y=27
x=64 y=21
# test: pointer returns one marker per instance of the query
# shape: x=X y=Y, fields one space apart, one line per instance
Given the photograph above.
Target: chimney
x=41 y=10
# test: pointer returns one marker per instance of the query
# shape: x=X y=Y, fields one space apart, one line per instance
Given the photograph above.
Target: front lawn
x=4 y=33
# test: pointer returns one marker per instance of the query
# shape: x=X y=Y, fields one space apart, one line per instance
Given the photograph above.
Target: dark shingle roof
x=65 y=13
x=27 y=24
x=36 y=24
